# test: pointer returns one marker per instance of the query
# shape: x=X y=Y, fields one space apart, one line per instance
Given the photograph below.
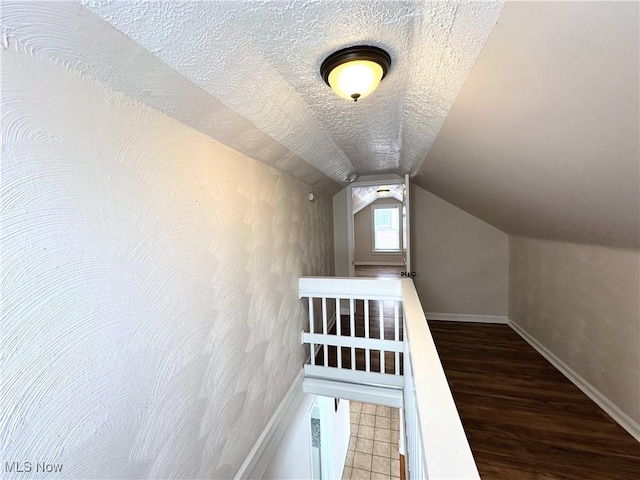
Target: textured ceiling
x=261 y=59
x=72 y=37
x=543 y=140
x=363 y=196
x=541 y=132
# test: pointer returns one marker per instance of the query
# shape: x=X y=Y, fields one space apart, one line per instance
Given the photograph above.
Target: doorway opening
x=355 y=439
x=378 y=226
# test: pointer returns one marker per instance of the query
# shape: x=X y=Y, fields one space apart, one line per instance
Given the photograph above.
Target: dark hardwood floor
x=523 y=418
x=378 y=271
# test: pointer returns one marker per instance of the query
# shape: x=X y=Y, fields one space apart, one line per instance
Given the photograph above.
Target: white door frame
x=325 y=412
x=369 y=181
x=311 y=464
x=406 y=224
x=350 y=233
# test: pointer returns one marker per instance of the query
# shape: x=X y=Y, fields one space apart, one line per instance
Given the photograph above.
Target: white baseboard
x=624 y=420
x=260 y=456
x=460 y=317
x=382 y=264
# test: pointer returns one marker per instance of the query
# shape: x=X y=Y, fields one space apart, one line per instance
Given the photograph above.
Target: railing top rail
x=349 y=287
x=446 y=448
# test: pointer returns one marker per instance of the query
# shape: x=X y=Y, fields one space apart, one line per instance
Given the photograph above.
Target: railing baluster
x=414 y=462
x=312 y=347
x=325 y=331
x=396 y=320
x=352 y=331
x=433 y=454
x=402 y=441
x=381 y=307
x=414 y=440
x=367 y=352
x=339 y=330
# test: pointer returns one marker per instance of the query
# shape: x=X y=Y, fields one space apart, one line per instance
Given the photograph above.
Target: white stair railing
x=370 y=304
x=436 y=445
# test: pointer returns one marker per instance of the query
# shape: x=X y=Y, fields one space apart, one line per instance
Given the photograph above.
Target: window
x=386 y=228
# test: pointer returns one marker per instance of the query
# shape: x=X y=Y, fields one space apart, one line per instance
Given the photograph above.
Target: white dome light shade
x=356 y=79
x=355 y=72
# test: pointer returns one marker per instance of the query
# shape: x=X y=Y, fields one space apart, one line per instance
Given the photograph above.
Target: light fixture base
x=361 y=54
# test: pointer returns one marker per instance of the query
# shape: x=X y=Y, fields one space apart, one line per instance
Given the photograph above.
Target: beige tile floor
x=373 y=446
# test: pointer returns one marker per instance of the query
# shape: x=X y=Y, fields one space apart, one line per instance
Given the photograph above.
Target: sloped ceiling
x=363 y=196
x=72 y=37
x=530 y=123
x=262 y=60
x=543 y=140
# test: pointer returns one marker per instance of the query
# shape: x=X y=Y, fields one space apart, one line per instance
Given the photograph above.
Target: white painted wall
x=461 y=262
x=292 y=458
x=363 y=235
x=150 y=316
x=341 y=433
x=543 y=140
x=582 y=303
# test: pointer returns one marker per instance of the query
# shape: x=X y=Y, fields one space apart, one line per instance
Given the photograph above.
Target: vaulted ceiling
x=262 y=60
x=524 y=114
x=543 y=139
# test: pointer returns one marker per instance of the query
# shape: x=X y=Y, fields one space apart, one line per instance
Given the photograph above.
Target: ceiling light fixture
x=384 y=192
x=355 y=72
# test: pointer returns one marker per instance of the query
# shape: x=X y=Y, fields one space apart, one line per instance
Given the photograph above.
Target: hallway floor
x=523 y=418
x=373 y=446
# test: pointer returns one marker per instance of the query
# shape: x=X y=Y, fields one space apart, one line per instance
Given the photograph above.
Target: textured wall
x=363 y=235
x=66 y=33
x=462 y=263
x=150 y=318
x=292 y=458
x=582 y=302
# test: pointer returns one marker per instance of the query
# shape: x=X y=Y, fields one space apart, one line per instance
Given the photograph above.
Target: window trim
x=385 y=206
